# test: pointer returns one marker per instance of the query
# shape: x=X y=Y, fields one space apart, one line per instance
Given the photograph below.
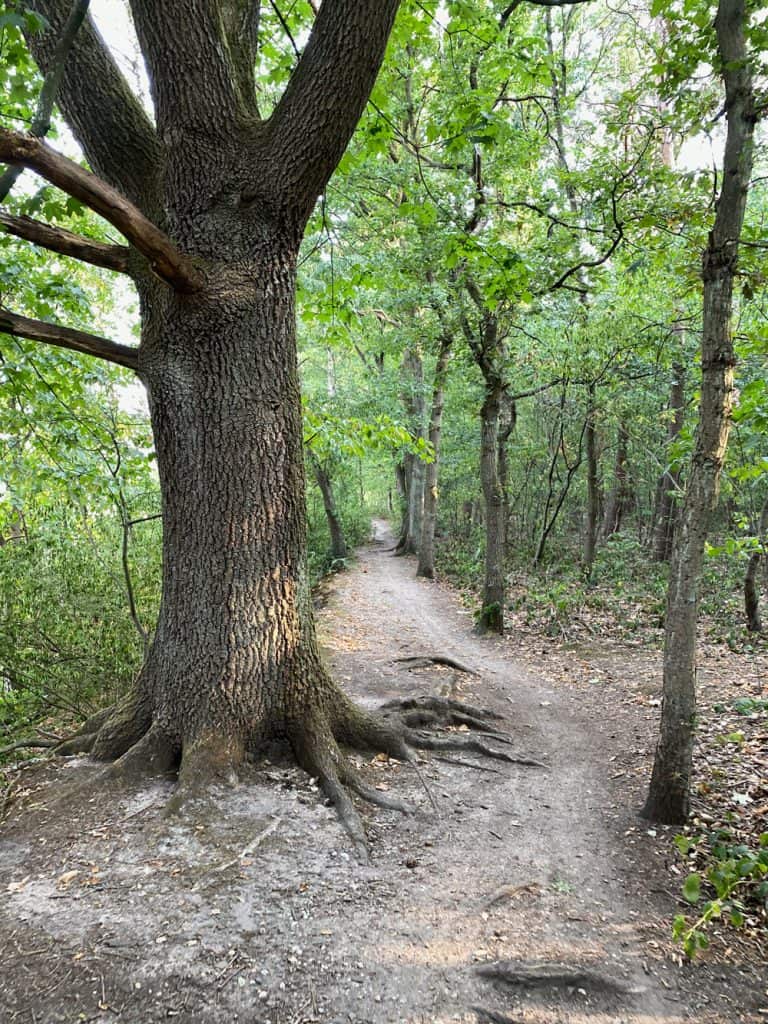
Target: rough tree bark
x=668 y=797
x=426 y=566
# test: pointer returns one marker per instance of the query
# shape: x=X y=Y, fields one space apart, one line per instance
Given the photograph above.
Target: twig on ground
x=253 y=845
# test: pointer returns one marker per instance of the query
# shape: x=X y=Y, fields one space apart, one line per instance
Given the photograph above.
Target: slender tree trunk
x=549 y=518
x=339 y=550
x=402 y=485
x=618 y=497
x=669 y=793
x=492 y=612
x=507 y=423
x=665 y=506
x=751 y=591
x=593 y=485
x=413 y=400
x=426 y=565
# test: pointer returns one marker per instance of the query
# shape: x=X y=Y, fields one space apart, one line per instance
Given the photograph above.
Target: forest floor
x=515 y=894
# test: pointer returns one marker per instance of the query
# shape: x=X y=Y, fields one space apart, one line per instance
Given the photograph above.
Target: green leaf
x=692 y=888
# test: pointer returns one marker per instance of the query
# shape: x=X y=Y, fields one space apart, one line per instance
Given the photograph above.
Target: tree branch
x=112 y=257
x=114 y=132
x=195 y=84
x=66 y=337
x=41 y=122
x=507 y=13
x=150 y=241
x=286 y=27
x=314 y=121
x=240 y=20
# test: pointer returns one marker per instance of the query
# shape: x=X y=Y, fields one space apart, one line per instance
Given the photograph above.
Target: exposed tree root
x=416 y=713
x=139 y=747
x=468 y=764
x=423 y=741
x=110 y=732
x=445 y=707
x=28 y=744
x=150 y=756
x=427 y=660
x=485 y=1016
x=352 y=780
x=554 y=975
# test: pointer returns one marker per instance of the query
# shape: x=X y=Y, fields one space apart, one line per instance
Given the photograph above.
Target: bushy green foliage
x=732 y=883
x=68 y=644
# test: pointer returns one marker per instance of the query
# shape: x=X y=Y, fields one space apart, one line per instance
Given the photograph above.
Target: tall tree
x=669 y=793
x=214 y=200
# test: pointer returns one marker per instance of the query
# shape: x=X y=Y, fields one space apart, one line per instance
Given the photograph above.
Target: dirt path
x=258 y=912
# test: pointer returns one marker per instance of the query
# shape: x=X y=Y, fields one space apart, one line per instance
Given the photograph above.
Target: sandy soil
x=257 y=911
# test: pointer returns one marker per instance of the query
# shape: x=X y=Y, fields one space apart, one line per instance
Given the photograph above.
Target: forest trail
x=257 y=912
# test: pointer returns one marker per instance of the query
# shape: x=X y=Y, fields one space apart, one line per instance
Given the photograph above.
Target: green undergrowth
x=730 y=883
x=68 y=644
x=625 y=596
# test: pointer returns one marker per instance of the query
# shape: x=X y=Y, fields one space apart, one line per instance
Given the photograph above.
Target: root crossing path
x=510 y=895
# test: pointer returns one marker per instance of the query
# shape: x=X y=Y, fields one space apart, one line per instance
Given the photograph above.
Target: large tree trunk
x=234 y=661
x=426 y=565
x=669 y=793
x=234 y=658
